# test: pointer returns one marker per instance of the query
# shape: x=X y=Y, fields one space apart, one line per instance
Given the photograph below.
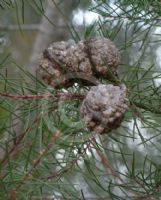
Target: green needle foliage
x=46 y=151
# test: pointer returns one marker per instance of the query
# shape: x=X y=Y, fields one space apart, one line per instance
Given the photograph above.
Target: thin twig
x=36 y=162
x=148 y=108
x=71 y=96
x=70 y=166
x=44 y=96
x=19 y=139
x=106 y=163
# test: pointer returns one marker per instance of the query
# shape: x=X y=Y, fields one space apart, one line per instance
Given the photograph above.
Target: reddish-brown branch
x=70 y=166
x=44 y=96
x=36 y=162
x=105 y=162
x=19 y=139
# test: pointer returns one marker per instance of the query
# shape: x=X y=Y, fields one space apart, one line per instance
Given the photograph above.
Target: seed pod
x=52 y=63
x=104 y=56
x=93 y=57
x=103 y=107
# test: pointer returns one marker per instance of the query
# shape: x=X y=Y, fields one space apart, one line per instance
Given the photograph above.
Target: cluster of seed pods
x=104 y=106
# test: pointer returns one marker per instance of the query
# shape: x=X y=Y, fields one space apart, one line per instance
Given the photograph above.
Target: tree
x=55 y=155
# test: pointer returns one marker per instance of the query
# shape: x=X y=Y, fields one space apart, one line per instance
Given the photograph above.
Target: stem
x=45 y=96
x=36 y=162
x=147 y=108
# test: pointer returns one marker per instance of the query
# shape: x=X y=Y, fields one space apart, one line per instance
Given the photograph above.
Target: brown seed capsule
x=103 y=54
x=110 y=111
x=92 y=57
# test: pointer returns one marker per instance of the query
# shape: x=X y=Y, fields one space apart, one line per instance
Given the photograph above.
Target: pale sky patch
x=84 y=17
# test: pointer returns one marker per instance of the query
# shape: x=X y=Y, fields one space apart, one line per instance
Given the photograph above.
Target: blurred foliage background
x=45 y=150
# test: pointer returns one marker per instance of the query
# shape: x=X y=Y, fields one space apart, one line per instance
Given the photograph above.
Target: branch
x=37 y=161
x=147 y=108
x=45 y=96
x=71 y=96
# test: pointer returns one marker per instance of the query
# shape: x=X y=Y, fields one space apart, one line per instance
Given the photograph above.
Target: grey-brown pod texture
x=63 y=63
x=103 y=107
x=92 y=57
